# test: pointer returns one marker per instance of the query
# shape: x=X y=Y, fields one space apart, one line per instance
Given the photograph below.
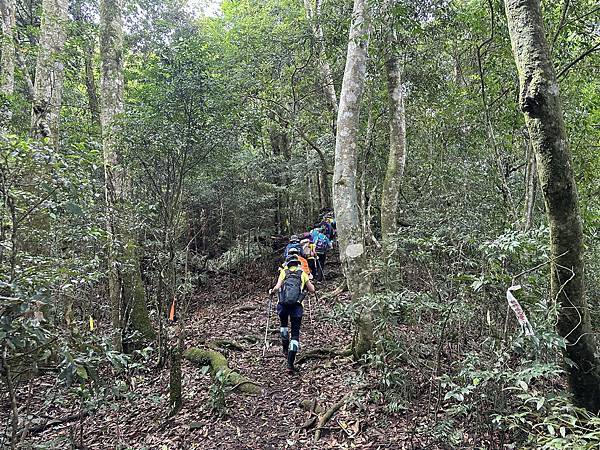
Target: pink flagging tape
x=516 y=307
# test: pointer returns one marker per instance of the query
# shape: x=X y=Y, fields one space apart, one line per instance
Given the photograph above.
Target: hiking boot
x=290 y=362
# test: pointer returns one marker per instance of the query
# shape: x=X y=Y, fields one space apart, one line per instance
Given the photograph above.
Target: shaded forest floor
x=270 y=420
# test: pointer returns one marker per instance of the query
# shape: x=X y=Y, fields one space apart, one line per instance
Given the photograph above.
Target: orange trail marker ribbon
x=172 y=311
x=516 y=307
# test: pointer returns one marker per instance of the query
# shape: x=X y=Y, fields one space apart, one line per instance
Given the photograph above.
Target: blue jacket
x=316 y=235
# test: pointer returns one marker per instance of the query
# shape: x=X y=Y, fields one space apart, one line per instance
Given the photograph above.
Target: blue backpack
x=291 y=290
x=321 y=245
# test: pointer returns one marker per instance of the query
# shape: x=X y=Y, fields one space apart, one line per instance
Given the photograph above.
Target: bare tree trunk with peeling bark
x=397 y=157
x=540 y=102
x=345 y=200
x=49 y=71
x=126 y=290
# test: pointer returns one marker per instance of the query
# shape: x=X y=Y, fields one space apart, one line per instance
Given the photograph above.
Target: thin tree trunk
x=88 y=55
x=90 y=84
x=540 y=102
x=314 y=18
x=111 y=97
x=397 y=156
x=350 y=232
x=49 y=72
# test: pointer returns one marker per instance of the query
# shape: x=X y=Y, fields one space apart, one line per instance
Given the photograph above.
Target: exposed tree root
x=226 y=343
x=343 y=287
x=217 y=362
x=52 y=423
x=323 y=419
x=312 y=407
x=244 y=308
x=250 y=338
x=323 y=353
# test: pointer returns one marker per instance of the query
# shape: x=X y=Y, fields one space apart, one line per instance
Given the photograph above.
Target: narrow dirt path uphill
x=275 y=418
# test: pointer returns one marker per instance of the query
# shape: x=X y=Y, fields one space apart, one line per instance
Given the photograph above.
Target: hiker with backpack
x=321 y=244
x=294 y=243
x=303 y=262
x=310 y=254
x=292 y=286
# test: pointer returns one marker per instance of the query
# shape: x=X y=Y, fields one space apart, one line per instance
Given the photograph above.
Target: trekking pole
x=310 y=311
x=267 y=327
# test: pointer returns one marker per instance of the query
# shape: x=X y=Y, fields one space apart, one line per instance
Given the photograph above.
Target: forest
x=315 y=224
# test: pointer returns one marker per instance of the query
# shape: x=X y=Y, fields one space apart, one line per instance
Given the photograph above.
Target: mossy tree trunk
x=345 y=200
x=540 y=102
x=397 y=156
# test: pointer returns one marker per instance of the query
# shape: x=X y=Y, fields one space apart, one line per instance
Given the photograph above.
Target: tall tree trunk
x=397 y=156
x=540 y=102
x=345 y=201
x=125 y=284
x=49 y=71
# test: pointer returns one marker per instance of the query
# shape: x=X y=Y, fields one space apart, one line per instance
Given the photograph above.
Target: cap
x=292 y=261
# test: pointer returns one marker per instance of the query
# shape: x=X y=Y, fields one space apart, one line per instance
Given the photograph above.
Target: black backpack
x=291 y=291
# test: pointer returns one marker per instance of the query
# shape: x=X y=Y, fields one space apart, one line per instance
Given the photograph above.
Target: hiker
x=291 y=286
x=310 y=254
x=321 y=244
x=294 y=243
x=303 y=262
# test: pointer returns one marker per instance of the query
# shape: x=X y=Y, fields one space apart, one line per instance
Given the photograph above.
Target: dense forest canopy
x=157 y=156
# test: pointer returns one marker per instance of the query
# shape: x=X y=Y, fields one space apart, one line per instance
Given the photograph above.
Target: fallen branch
x=217 y=362
x=328 y=415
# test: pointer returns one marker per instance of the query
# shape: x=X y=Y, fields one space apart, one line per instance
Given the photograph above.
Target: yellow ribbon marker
x=91 y=323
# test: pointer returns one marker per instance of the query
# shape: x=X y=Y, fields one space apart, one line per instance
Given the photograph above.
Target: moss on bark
x=217 y=362
x=540 y=103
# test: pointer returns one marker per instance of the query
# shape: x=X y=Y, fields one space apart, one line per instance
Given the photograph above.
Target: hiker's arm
x=310 y=286
x=279 y=282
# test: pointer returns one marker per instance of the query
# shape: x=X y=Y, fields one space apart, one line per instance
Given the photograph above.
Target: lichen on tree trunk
x=49 y=71
x=345 y=199
x=540 y=102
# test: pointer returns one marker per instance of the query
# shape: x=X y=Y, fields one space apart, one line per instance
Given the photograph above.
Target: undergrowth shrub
x=445 y=336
